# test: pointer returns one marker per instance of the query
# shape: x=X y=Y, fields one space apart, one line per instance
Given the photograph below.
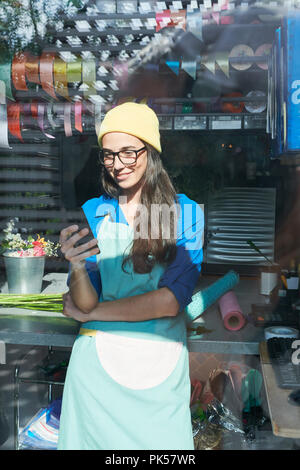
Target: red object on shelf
x=13 y=119
x=232 y=107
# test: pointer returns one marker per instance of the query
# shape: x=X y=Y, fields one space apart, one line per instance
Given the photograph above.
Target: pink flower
x=38 y=251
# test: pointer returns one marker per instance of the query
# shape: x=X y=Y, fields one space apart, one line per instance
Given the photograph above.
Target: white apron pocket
x=137 y=363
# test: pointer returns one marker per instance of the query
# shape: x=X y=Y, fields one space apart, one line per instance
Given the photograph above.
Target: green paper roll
x=206 y=297
x=5 y=76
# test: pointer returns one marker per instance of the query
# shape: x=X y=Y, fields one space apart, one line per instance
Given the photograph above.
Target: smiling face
x=129 y=179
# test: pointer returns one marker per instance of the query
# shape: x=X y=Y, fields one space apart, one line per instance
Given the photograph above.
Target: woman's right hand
x=76 y=255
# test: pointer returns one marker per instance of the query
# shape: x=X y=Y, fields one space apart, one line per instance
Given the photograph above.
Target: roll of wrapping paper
x=18 y=71
x=3 y=127
x=263 y=50
x=26 y=119
x=203 y=299
x=5 y=76
x=78 y=116
x=50 y=116
x=89 y=76
x=13 y=116
x=60 y=77
x=231 y=312
x=98 y=117
x=241 y=50
x=32 y=69
x=67 y=119
x=46 y=73
x=34 y=109
x=74 y=71
x=40 y=118
x=2 y=92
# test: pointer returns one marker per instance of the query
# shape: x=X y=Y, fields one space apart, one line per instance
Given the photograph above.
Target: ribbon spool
x=78 y=116
x=46 y=73
x=88 y=77
x=233 y=107
x=263 y=50
x=67 y=119
x=32 y=69
x=74 y=71
x=231 y=312
x=258 y=106
x=241 y=50
x=18 y=71
x=40 y=118
x=203 y=299
x=60 y=77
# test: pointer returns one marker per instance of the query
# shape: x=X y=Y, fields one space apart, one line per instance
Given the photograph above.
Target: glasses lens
x=128 y=157
x=106 y=159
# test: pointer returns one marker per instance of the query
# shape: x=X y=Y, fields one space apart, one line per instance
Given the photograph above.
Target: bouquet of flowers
x=14 y=245
x=17 y=246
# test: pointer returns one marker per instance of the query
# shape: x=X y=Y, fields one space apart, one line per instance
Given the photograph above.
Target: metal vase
x=24 y=274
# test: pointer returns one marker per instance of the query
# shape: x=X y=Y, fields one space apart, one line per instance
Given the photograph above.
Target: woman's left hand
x=70 y=309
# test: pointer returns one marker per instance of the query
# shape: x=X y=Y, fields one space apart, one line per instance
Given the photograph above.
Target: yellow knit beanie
x=135 y=119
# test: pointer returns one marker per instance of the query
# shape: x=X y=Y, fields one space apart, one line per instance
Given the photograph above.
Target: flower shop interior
x=222 y=76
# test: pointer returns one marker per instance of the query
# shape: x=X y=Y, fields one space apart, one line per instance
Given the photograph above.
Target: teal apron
x=127 y=385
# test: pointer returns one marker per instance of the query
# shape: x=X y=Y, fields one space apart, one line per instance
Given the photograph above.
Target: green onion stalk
x=46 y=302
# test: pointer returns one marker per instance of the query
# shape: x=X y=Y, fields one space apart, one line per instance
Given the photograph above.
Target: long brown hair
x=157 y=190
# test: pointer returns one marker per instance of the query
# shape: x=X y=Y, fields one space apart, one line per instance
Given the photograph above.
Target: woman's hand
x=69 y=236
x=70 y=310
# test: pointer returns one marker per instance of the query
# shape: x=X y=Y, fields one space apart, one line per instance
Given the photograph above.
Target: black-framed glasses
x=127 y=157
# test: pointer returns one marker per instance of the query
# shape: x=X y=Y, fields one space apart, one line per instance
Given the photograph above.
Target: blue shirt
x=182 y=274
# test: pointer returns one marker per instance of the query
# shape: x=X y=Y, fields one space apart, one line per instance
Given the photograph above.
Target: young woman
x=127 y=384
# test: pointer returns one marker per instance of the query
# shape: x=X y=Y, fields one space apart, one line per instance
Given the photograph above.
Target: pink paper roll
x=231 y=312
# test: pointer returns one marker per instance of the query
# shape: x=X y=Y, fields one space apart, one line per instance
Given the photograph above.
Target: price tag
x=165 y=122
x=225 y=122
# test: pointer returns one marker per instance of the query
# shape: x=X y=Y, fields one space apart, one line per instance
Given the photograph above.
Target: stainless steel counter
x=19 y=326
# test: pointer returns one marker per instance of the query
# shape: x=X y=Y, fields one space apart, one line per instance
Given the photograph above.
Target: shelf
x=285 y=418
x=212 y=122
x=100 y=33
